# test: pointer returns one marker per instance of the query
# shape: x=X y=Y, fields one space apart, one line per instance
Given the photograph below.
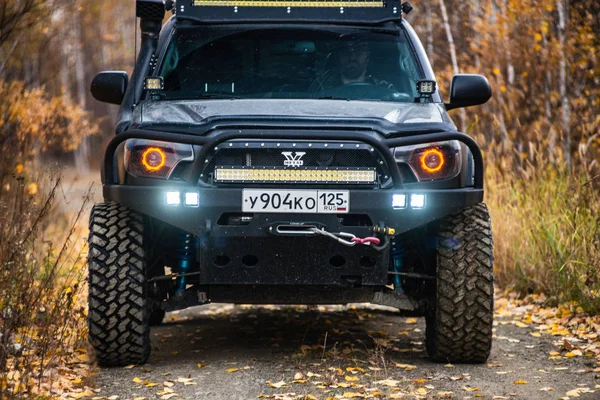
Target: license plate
x=296 y=201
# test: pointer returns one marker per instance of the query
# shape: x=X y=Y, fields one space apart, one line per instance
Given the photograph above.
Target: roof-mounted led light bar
x=235 y=11
x=287 y=3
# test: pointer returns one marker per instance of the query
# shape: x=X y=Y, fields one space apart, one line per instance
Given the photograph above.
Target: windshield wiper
x=333 y=98
x=217 y=96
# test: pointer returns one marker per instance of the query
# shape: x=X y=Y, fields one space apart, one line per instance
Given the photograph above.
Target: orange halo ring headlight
x=151 y=165
x=430 y=152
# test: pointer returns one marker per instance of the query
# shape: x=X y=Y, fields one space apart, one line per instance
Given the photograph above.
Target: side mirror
x=468 y=90
x=110 y=86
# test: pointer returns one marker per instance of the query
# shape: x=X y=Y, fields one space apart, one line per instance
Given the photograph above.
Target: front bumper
x=253 y=252
x=215 y=202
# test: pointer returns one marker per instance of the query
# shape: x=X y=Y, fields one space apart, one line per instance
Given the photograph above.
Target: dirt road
x=232 y=352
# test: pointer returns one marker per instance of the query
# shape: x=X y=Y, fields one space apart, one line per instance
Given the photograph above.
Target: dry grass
x=42 y=314
x=546 y=223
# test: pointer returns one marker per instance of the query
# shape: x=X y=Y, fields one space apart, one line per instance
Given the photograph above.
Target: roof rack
x=328 y=11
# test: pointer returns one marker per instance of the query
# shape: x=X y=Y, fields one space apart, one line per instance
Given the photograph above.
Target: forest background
x=540 y=134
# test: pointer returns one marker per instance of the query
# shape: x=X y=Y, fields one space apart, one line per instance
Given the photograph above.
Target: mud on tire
x=118 y=308
x=459 y=329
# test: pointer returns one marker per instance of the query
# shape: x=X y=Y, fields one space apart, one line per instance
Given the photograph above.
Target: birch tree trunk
x=499 y=115
x=547 y=103
x=474 y=15
x=429 y=25
x=82 y=152
x=452 y=49
x=563 y=77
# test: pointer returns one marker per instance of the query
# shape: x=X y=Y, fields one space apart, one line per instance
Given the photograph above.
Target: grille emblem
x=293 y=159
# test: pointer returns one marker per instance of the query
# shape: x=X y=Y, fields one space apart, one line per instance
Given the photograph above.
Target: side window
x=171 y=60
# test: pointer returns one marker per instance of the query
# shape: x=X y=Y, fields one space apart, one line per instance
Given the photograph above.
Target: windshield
x=290 y=63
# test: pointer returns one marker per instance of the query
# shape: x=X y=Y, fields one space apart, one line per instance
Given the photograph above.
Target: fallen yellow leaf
x=574 y=353
x=387 y=382
x=231 y=370
x=520 y=382
x=406 y=367
x=137 y=380
x=351 y=378
x=277 y=385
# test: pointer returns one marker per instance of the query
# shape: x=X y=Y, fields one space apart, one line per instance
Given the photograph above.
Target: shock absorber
x=186 y=256
x=397 y=258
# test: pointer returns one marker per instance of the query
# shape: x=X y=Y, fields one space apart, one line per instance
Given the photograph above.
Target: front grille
x=288 y=155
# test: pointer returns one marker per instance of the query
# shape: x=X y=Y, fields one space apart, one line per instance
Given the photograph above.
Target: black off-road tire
x=118 y=308
x=459 y=329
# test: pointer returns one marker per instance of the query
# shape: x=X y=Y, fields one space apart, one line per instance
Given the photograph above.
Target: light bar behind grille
x=312 y=175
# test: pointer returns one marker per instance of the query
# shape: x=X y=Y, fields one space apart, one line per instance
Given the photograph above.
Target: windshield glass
x=290 y=63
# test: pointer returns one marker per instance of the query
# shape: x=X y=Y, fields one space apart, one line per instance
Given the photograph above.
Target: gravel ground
x=231 y=352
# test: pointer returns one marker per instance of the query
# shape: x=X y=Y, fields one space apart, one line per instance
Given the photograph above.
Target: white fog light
x=173 y=198
x=192 y=199
x=398 y=201
x=417 y=200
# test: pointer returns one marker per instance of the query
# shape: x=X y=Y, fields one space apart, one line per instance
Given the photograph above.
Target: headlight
x=153 y=158
x=431 y=161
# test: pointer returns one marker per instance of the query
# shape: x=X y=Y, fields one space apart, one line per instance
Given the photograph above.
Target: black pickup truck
x=288 y=152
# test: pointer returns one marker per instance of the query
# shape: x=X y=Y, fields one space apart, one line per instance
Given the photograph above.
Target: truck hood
x=195 y=112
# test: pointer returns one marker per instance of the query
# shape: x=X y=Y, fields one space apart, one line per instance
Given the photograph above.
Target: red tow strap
x=367 y=240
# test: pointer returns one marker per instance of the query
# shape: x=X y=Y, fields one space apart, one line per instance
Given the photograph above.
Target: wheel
x=459 y=328
x=118 y=308
x=156 y=317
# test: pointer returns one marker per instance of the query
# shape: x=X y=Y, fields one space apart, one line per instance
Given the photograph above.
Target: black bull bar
x=208 y=141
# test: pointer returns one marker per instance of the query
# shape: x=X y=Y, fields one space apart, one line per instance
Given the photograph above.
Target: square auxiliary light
x=172 y=198
x=398 y=201
x=426 y=88
x=154 y=83
x=192 y=199
x=417 y=200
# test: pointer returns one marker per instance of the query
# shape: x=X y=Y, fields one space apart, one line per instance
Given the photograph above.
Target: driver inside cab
x=352 y=56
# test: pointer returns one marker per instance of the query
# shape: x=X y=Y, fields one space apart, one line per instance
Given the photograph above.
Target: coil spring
x=397 y=258
x=186 y=254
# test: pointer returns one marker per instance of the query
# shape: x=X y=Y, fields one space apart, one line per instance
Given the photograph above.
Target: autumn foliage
x=540 y=133
x=42 y=316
